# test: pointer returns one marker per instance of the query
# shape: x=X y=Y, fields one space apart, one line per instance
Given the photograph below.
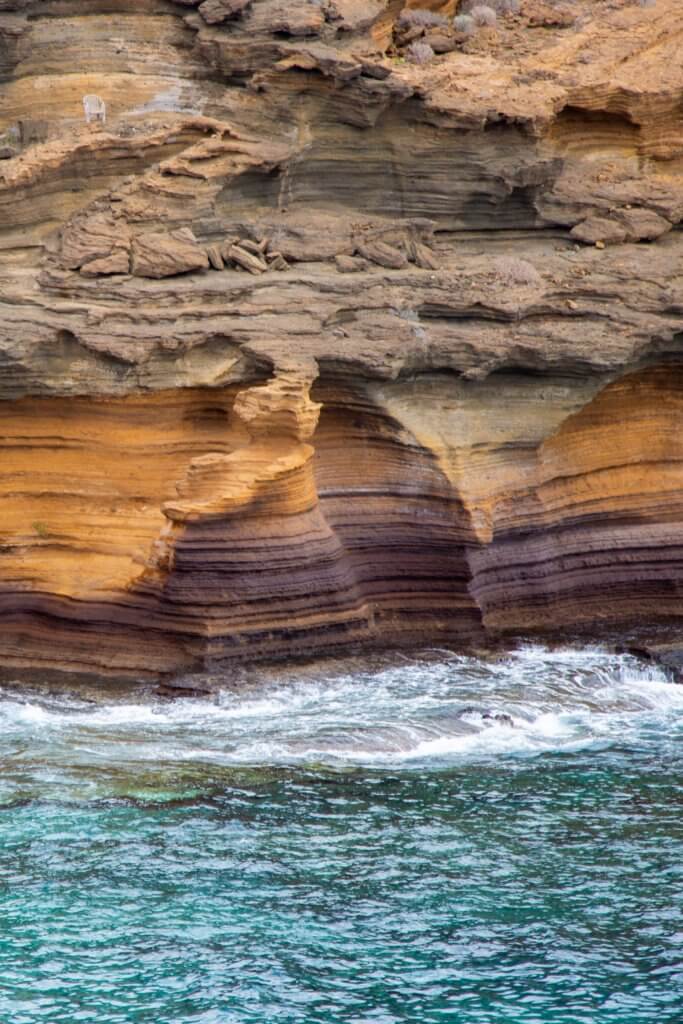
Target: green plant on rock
x=41 y=529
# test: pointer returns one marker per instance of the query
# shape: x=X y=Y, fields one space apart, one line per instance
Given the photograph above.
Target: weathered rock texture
x=311 y=346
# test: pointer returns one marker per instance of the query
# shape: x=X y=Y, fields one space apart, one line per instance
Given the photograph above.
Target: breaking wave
x=423 y=711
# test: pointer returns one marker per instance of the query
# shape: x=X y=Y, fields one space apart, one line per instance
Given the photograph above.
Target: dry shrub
x=422 y=19
x=464 y=23
x=482 y=15
x=419 y=53
x=497 y=6
x=513 y=270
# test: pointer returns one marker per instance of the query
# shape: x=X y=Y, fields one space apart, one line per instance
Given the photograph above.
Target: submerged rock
x=500 y=717
x=200 y=685
x=666 y=655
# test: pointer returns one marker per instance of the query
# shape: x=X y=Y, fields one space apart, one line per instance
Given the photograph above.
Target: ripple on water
x=464 y=841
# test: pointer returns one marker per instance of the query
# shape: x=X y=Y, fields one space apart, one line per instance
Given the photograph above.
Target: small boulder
x=295 y=18
x=350 y=264
x=643 y=225
x=276 y=261
x=408 y=34
x=216 y=11
x=421 y=255
x=498 y=716
x=383 y=254
x=188 y=687
x=624 y=225
x=253 y=247
x=226 y=247
x=599 y=229
x=373 y=69
x=215 y=257
x=117 y=263
x=158 y=254
x=246 y=260
x=94 y=236
x=442 y=41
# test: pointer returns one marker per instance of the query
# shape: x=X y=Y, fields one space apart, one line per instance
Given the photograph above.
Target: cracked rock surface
x=309 y=346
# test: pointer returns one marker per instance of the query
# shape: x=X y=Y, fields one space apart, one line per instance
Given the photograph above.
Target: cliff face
x=310 y=345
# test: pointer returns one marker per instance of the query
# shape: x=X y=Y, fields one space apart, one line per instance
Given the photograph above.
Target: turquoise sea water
x=372 y=848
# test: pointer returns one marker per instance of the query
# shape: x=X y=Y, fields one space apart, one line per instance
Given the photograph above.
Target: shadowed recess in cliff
x=254 y=568
x=274 y=554
x=594 y=135
x=405 y=530
x=200 y=527
x=244 y=562
x=594 y=532
x=279 y=189
x=401 y=167
x=41 y=191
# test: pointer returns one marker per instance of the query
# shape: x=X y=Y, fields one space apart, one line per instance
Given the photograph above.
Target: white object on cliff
x=95 y=110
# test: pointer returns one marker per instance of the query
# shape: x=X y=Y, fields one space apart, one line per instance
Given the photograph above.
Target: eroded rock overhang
x=310 y=347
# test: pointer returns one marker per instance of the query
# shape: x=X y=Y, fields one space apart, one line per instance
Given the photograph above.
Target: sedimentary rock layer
x=307 y=345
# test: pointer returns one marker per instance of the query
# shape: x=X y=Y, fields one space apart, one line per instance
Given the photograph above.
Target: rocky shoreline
x=310 y=347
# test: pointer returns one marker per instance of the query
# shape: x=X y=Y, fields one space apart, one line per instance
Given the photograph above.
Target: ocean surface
x=444 y=840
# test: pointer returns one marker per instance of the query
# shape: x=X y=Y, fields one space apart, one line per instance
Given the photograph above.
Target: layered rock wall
x=310 y=346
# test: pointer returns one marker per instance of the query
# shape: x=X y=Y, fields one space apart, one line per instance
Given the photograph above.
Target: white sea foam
x=532 y=702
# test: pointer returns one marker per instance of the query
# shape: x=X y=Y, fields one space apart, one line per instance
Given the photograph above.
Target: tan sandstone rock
x=214 y=12
x=479 y=435
x=158 y=254
x=94 y=237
